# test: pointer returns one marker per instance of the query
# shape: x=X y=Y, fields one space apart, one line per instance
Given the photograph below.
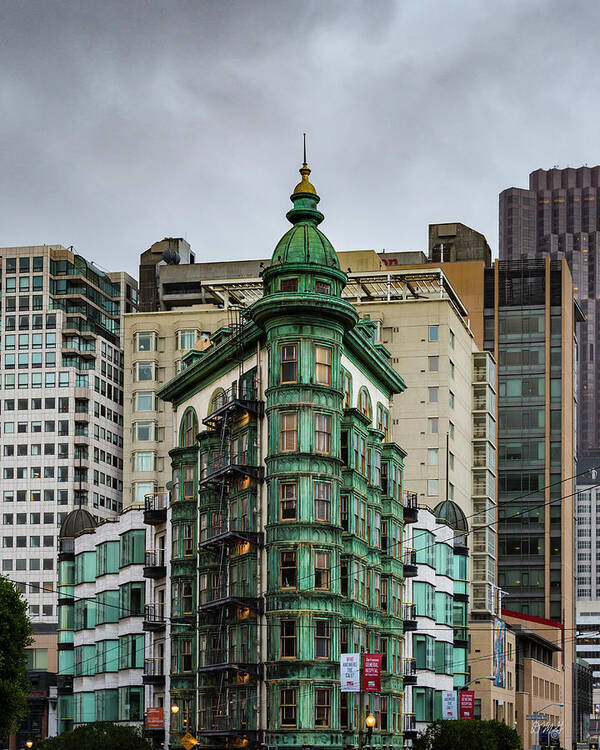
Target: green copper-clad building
x=287 y=514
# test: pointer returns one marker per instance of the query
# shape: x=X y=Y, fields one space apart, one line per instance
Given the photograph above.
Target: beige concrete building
x=155 y=343
x=531 y=674
x=449 y=407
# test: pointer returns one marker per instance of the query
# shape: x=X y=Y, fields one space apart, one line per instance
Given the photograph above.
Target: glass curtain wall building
x=529 y=324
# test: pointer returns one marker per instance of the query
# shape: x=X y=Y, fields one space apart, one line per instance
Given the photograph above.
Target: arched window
x=216 y=401
x=364 y=402
x=347 y=388
x=188 y=429
x=383 y=421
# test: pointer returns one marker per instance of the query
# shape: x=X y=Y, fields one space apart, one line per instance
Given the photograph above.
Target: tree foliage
x=468 y=734
x=98 y=736
x=15 y=636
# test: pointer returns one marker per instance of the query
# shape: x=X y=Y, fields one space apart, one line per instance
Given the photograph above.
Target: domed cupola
x=305 y=270
x=76 y=522
x=304 y=242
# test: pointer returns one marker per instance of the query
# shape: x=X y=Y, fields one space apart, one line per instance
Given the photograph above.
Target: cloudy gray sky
x=123 y=122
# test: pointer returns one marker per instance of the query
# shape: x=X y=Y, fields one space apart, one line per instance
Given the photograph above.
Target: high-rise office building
x=558 y=216
x=61 y=399
x=529 y=319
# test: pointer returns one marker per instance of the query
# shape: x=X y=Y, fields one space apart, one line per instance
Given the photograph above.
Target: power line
x=491 y=524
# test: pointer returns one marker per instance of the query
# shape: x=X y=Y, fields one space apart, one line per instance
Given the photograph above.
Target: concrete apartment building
x=436 y=582
x=449 y=407
x=61 y=396
x=101 y=644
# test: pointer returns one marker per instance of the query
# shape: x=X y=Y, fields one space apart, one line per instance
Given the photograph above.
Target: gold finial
x=304 y=186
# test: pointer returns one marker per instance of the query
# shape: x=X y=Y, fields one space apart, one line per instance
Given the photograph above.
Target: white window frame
x=136 y=372
x=194 y=331
x=152 y=334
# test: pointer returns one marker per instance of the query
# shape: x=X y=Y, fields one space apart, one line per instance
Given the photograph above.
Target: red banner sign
x=466 y=706
x=155 y=718
x=372 y=673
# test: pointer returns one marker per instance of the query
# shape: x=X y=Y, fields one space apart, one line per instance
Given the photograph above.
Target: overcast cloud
x=123 y=122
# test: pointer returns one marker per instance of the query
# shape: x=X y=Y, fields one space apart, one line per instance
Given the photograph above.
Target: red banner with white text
x=466 y=705
x=372 y=673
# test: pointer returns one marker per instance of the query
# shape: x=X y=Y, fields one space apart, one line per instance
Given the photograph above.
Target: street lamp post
x=174 y=712
x=370 y=721
x=490 y=677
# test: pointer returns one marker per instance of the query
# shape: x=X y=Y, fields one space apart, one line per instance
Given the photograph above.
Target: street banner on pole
x=372 y=673
x=350 y=673
x=467 y=704
x=449 y=704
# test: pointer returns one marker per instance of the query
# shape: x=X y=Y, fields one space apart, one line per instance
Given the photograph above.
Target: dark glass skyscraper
x=529 y=325
x=559 y=217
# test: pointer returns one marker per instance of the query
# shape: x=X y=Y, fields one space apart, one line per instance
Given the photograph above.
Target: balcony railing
x=409 y=666
x=227 y=725
x=156 y=501
x=155 y=507
x=409 y=499
x=82 y=347
x=411 y=510
x=77 y=324
x=225 y=591
x=154 y=667
x=154 y=558
x=244 y=392
x=232 y=655
x=242 y=396
x=409 y=557
x=409 y=723
x=229 y=531
x=409 y=611
x=154 y=613
x=219 y=723
x=242 y=591
x=223 y=464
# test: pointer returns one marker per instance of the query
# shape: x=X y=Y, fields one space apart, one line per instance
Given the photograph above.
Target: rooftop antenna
x=304 y=136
